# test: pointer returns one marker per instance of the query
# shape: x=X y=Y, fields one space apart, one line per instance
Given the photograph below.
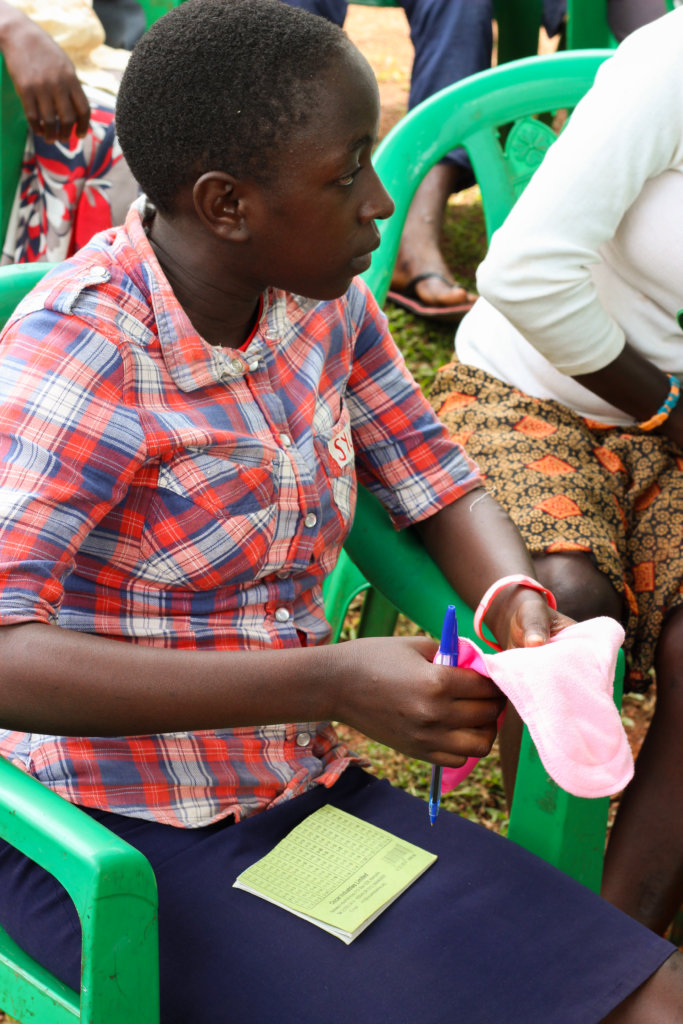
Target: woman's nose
x=379 y=204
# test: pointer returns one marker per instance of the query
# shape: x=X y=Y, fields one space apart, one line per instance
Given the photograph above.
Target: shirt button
x=282 y=614
x=286 y=440
x=236 y=365
x=253 y=365
x=283 y=574
x=311 y=519
x=303 y=738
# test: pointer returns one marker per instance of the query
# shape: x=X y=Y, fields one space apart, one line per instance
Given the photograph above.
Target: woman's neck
x=221 y=309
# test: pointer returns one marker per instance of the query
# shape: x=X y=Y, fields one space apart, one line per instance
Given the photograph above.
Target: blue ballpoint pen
x=446 y=655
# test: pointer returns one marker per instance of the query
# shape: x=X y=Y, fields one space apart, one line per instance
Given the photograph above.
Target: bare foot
x=421 y=271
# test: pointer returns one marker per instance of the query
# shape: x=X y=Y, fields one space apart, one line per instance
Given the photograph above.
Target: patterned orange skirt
x=571 y=484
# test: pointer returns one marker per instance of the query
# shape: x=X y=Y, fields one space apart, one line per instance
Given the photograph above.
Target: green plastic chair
x=492 y=115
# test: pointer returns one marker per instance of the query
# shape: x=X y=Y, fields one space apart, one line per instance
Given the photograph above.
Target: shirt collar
x=192 y=362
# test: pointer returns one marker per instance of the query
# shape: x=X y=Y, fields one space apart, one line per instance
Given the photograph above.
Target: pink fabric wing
x=563 y=692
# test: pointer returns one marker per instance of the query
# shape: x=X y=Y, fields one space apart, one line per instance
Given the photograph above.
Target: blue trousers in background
x=452 y=39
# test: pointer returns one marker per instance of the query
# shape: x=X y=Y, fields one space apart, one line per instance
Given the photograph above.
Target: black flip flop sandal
x=408 y=299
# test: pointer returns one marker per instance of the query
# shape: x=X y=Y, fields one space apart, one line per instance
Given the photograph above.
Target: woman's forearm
x=58 y=681
x=638 y=387
x=475 y=543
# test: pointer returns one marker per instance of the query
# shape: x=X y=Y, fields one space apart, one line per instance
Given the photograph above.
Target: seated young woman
x=171 y=399
x=566 y=392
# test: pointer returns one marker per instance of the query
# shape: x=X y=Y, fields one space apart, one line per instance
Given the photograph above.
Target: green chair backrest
x=477 y=113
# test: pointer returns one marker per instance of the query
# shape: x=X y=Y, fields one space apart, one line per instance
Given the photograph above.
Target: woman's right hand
x=44 y=77
x=389 y=689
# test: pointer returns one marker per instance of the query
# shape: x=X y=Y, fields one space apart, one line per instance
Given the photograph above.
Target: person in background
x=452 y=39
x=73 y=180
x=625 y=16
x=174 y=400
x=123 y=22
x=566 y=391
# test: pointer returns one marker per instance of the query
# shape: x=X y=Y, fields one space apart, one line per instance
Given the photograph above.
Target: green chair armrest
x=397 y=564
x=114 y=890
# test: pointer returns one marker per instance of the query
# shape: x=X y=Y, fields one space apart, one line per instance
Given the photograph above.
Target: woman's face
x=315 y=226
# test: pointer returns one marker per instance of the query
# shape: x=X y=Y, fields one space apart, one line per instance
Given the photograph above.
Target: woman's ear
x=219 y=203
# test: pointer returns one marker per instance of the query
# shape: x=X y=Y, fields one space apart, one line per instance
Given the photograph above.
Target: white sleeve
x=626 y=130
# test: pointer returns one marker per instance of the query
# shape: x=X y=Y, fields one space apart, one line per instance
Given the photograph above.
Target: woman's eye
x=348 y=179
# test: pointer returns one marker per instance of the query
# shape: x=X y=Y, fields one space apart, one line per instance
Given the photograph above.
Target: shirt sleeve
x=403 y=453
x=626 y=130
x=69 y=446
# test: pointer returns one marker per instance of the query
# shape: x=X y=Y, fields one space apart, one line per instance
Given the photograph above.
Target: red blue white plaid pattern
x=160 y=490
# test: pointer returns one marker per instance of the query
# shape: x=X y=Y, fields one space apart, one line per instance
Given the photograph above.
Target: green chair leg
x=377 y=615
x=341 y=587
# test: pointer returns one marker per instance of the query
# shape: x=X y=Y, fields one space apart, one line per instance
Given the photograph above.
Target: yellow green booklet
x=336 y=871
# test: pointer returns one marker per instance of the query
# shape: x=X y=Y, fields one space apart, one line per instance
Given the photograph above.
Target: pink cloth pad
x=563 y=692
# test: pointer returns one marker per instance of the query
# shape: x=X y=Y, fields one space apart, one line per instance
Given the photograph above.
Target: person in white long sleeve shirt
x=565 y=390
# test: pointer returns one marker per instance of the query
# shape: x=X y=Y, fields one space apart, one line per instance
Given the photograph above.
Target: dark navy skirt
x=489 y=934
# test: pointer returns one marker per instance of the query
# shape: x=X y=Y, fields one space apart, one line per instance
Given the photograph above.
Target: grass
x=426 y=345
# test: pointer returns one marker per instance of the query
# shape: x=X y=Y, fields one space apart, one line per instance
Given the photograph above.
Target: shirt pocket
x=211 y=519
x=335 y=454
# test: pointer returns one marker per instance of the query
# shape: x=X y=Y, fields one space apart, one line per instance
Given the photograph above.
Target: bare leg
x=658 y=1001
x=644 y=862
x=420 y=249
x=582 y=592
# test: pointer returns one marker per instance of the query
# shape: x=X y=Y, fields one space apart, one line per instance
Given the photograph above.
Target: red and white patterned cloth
x=67 y=192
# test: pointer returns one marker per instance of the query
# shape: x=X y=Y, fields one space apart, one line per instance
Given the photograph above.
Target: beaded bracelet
x=665 y=410
x=487 y=600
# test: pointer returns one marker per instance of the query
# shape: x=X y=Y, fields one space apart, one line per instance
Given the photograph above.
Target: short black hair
x=220 y=85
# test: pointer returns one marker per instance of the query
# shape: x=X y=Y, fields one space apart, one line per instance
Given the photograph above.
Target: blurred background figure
x=73 y=180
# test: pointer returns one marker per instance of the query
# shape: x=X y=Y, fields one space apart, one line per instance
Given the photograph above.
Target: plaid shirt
x=160 y=490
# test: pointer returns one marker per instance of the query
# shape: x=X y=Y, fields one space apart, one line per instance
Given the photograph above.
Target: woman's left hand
x=531 y=621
